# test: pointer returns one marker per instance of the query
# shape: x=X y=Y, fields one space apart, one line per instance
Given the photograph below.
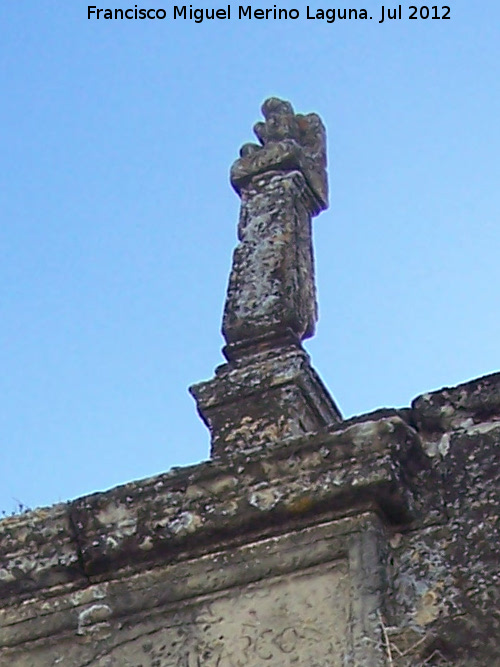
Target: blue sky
x=118 y=221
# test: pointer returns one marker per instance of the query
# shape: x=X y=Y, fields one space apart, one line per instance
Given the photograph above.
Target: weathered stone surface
x=395 y=540
x=37 y=550
x=446 y=577
x=268 y=391
x=194 y=509
x=295 y=598
x=271 y=287
x=463 y=406
x=191 y=510
x=263 y=400
x=281 y=184
x=290 y=142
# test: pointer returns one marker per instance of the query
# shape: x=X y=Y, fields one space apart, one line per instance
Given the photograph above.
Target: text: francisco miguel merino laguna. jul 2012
x=242 y=12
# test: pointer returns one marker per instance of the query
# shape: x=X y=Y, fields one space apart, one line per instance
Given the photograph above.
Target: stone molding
x=89 y=624
x=427 y=478
x=195 y=509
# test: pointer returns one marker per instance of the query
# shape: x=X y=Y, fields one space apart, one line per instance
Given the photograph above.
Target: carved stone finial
x=268 y=391
x=289 y=142
x=282 y=184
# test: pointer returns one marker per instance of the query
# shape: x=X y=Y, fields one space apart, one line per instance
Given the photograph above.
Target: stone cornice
x=195 y=509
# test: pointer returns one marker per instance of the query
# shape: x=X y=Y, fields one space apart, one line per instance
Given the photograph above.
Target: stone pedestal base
x=262 y=399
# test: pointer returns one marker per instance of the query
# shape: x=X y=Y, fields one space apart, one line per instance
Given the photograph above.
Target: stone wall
x=373 y=542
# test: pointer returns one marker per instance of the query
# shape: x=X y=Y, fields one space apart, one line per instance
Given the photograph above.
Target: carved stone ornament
x=268 y=391
x=289 y=142
x=282 y=184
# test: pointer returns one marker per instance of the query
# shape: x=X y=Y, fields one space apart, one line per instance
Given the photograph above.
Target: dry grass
x=406 y=658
